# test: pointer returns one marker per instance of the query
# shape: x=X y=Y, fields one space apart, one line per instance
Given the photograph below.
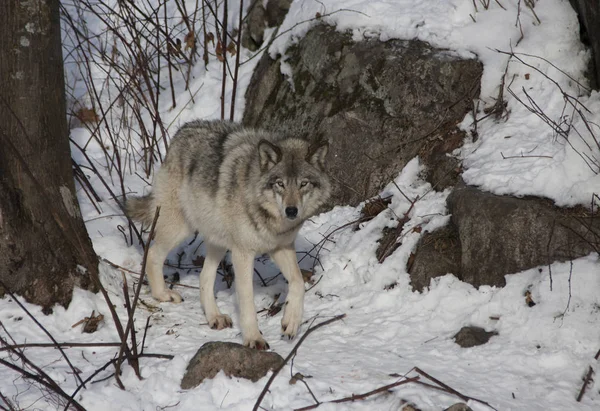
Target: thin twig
x=357 y=397
x=129 y=326
x=290 y=355
x=39 y=380
x=15 y=299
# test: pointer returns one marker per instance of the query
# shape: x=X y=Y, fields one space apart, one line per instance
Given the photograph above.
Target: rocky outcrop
x=378 y=103
x=491 y=236
x=233 y=359
x=438 y=253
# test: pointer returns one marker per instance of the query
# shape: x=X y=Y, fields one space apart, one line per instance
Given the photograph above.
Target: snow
x=541 y=353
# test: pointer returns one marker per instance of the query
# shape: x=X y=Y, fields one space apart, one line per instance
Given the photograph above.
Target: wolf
x=244 y=190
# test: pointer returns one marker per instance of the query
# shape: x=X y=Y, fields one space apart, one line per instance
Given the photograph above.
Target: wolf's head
x=294 y=181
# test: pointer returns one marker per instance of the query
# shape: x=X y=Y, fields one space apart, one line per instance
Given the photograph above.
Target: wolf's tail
x=140 y=209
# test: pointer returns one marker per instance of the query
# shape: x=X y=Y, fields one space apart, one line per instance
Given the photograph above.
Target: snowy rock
x=491 y=236
x=501 y=235
x=438 y=254
x=378 y=103
x=473 y=336
x=233 y=359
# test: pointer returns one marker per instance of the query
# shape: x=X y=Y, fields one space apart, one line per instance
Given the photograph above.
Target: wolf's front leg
x=243 y=263
x=215 y=319
x=286 y=259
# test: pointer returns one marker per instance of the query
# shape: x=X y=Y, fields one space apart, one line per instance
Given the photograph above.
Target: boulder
x=234 y=359
x=501 y=235
x=378 y=103
x=473 y=336
x=490 y=236
x=438 y=254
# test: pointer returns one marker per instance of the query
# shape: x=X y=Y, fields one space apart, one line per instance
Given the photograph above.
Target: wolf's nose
x=291 y=212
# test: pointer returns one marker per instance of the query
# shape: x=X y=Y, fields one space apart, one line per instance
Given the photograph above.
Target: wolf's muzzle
x=291 y=212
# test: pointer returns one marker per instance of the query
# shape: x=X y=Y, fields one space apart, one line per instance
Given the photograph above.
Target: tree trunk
x=44 y=247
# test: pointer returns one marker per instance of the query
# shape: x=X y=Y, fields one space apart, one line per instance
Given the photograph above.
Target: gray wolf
x=243 y=190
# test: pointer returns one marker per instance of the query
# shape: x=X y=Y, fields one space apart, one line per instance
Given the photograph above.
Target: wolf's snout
x=291 y=212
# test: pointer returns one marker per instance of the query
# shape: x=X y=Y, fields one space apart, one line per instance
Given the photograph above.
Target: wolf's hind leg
x=216 y=320
x=243 y=263
x=286 y=260
x=171 y=230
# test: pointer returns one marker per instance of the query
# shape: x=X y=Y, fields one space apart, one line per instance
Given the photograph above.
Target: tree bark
x=44 y=247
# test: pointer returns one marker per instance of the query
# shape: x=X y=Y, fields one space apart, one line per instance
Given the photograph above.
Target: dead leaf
x=418 y=229
x=90 y=324
x=526 y=76
x=87 y=115
x=529 y=299
x=231 y=48
x=375 y=206
x=219 y=51
x=209 y=37
x=190 y=40
x=298 y=377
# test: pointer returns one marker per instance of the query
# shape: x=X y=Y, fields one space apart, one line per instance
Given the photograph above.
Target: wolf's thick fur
x=247 y=191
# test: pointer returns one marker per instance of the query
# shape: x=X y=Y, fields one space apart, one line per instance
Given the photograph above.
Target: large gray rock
x=501 y=235
x=491 y=236
x=438 y=254
x=378 y=103
x=234 y=359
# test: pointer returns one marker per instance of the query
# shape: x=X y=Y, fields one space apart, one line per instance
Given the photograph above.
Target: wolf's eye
x=303 y=184
x=279 y=183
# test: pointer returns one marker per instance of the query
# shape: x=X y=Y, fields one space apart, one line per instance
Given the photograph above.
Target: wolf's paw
x=220 y=321
x=168 y=296
x=257 y=343
x=292 y=318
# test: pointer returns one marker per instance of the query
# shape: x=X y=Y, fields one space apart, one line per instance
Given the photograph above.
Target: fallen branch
x=291 y=355
x=361 y=396
x=447 y=388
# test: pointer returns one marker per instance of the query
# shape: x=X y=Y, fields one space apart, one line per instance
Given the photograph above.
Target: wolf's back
x=140 y=209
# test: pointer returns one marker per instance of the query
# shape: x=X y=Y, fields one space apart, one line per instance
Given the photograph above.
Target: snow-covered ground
x=541 y=353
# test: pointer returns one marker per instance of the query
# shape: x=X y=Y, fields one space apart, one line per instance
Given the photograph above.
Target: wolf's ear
x=317 y=152
x=269 y=154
